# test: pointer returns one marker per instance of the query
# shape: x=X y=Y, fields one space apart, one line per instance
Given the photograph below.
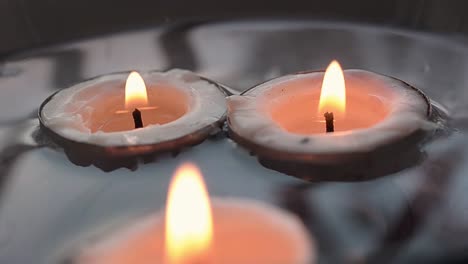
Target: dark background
x=31 y=23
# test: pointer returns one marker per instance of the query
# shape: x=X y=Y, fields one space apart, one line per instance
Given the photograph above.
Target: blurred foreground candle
x=332 y=125
x=230 y=231
x=112 y=120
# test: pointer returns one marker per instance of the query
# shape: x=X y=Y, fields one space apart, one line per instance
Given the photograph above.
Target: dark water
x=417 y=215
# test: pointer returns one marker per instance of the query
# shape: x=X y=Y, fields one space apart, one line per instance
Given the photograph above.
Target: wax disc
x=260 y=120
x=188 y=109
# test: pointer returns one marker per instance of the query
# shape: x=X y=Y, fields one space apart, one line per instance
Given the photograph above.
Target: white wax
x=245 y=231
x=87 y=112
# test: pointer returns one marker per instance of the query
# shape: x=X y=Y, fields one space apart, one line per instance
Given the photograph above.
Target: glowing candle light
x=135 y=96
x=135 y=91
x=333 y=95
x=189 y=224
x=333 y=92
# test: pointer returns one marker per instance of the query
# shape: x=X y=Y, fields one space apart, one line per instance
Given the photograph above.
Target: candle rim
x=296 y=75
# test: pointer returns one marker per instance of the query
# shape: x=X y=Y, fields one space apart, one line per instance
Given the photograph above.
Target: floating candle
x=232 y=231
x=94 y=121
x=284 y=121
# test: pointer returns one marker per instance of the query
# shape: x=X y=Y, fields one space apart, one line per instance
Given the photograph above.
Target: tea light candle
x=230 y=231
x=370 y=119
x=121 y=116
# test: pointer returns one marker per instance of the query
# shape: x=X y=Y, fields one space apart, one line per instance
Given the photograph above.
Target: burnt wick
x=329 y=119
x=137 y=118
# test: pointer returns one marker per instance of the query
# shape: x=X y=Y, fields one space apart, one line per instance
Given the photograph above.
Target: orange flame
x=189 y=224
x=333 y=94
x=135 y=91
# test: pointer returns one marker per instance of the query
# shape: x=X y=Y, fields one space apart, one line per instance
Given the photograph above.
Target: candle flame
x=189 y=226
x=333 y=94
x=135 y=91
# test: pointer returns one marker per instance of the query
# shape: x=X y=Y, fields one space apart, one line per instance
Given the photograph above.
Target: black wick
x=137 y=118
x=329 y=122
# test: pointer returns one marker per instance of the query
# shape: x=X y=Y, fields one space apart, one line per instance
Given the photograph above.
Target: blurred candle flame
x=135 y=92
x=333 y=94
x=189 y=224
